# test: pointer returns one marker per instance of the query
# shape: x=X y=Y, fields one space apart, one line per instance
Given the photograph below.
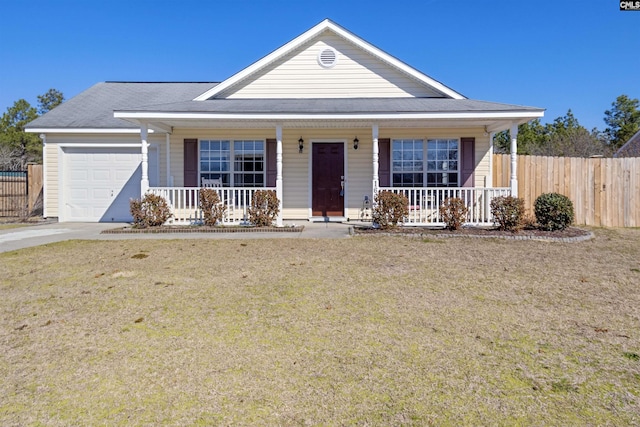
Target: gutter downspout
x=43 y=137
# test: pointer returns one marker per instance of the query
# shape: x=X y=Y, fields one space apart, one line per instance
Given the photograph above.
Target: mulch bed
x=203 y=229
x=570 y=234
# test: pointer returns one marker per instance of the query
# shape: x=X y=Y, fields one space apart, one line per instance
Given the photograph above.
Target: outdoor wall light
x=300 y=145
x=355 y=143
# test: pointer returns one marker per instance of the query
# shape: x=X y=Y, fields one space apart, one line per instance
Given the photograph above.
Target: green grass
x=8 y=226
x=364 y=331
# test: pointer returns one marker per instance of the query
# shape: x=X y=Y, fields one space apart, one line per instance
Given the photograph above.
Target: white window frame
x=232 y=172
x=442 y=171
x=425 y=170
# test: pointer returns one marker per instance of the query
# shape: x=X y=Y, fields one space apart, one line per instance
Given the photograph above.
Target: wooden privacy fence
x=21 y=192
x=604 y=191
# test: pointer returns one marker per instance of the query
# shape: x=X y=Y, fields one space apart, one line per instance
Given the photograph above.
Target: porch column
x=167 y=141
x=376 y=159
x=514 y=160
x=279 y=189
x=144 y=182
x=489 y=183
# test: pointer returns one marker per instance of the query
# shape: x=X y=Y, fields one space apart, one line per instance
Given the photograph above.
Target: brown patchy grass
x=365 y=331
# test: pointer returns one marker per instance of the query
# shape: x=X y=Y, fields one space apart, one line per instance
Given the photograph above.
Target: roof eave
x=51 y=130
x=139 y=116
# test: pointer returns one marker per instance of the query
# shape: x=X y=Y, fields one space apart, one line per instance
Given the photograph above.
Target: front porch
x=424 y=203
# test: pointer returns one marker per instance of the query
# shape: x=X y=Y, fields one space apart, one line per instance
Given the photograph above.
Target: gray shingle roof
x=334 y=106
x=94 y=107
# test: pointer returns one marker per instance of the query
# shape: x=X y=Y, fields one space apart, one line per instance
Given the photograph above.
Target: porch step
x=327 y=219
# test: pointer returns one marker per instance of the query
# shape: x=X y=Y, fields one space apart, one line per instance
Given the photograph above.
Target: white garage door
x=100 y=181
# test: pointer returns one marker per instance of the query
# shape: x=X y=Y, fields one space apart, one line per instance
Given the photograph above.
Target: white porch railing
x=185 y=206
x=424 y=203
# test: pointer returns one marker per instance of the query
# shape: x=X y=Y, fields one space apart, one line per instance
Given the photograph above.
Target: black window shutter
x=384 y=162
x=191 y=163
x=271 y=162
x=467 y=170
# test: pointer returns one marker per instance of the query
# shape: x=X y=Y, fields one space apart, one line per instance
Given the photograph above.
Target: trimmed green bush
x=151 y=211
x=553 y=211
x=508 y=212
x=264 y=209
x=453 y=212
x=390 y=209
x=212 y=208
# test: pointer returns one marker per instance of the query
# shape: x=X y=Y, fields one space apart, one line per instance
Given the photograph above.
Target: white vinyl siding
x=357 y=74
x=50 y=180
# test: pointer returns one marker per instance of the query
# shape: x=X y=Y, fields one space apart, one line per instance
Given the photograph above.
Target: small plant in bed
x=453 y=212
x=150 y=211
x=212 y=207
x=508 y=213
x=264 y=209
x=390 y=209
x=553 y=211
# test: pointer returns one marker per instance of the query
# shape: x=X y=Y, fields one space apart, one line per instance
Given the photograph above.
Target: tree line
x=566 y=137
x=18 y=148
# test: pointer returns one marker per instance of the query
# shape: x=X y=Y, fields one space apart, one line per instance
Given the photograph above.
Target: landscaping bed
x=569 y=234
x=203 y=229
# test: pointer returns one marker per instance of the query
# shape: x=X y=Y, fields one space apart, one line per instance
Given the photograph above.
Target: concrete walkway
x=35 y=235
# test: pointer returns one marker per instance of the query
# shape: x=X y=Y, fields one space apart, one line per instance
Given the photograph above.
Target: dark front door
x=327 y=176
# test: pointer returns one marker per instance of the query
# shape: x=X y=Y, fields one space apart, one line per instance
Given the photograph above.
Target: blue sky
x=554 y=54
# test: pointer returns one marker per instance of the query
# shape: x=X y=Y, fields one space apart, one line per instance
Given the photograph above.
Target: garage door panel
x=79 y=175
x=101 y=176
x=99 y=182
x=123 y=174
x=101 y=194
x=78 y=194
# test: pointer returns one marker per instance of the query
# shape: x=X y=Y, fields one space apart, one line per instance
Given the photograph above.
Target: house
x=631 y=148
x=327 y=120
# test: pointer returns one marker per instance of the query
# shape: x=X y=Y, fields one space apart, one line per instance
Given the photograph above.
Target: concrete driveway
x=24 y=237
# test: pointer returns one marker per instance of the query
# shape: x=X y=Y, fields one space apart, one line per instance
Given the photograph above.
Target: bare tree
x=9 y=158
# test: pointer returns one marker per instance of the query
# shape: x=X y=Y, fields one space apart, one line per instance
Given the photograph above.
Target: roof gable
x=362 y=70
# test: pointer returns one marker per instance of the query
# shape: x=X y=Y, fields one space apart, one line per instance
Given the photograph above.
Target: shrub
x=508 y=212
x=553 y=211
x=265 y=206
x=454 y=212
x=390 y=209
x=151 y=211
x=212 y=208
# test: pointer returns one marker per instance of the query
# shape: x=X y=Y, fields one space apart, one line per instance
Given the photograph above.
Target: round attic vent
x=328 y=57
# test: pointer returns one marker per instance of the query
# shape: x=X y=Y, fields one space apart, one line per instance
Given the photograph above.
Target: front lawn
x=372 y=330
